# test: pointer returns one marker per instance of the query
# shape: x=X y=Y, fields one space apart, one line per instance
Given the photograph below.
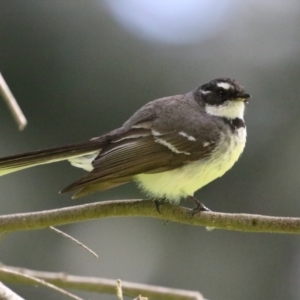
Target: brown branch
x=146 y=208
x=99 y=285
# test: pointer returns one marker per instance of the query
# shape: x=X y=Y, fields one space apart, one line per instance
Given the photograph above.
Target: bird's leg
x=159 y=202
x=199 y=206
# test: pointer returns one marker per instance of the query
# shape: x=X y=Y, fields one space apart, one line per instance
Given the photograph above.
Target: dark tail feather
x=30 y=159
x=83 y=191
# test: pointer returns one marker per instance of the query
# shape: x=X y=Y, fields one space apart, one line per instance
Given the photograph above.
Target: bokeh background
x=80 y=68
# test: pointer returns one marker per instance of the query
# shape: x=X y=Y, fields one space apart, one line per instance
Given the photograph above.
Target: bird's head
x=224 y=97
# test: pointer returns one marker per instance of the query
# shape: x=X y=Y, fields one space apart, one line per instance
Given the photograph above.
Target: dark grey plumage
x=164 y=136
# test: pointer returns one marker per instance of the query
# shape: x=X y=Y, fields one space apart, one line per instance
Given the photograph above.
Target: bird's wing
x=141 y=149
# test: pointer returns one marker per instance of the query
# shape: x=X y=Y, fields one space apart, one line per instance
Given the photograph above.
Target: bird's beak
x=243 y=97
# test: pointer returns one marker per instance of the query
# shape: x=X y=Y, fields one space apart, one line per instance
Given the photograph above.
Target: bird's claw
x=200 y=207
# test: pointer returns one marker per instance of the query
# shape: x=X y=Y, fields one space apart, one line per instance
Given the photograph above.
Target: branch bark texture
x=147 y=208
x=96 y=284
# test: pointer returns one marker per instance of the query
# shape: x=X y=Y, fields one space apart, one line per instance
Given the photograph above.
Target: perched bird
x=170 y=147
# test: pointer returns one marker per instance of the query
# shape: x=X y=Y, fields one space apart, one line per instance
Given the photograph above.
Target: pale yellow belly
x=179 y=183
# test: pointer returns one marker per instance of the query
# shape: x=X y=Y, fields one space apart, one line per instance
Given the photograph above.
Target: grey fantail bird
x=170 y=147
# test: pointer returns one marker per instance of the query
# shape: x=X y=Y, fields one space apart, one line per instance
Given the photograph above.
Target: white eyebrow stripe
x=205 y=92
x=224 y=85
x=189 y=137
x=170 y=146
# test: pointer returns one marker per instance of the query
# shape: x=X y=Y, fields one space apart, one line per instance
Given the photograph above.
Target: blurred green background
x=80 y=68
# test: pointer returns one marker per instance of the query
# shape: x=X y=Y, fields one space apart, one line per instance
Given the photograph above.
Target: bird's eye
x=220 y=92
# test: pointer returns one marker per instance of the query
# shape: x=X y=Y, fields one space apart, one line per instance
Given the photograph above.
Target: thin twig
x=34 y=280
x=8 y=294
x=119 y=289
x=146 y=208
x=101 y=285
x=12 y=104
x=73 y=240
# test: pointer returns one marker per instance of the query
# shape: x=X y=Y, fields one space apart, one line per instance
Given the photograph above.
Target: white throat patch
x=228 y=109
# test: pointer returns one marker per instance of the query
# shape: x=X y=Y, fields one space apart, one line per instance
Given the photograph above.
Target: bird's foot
x=158 y=203
x=200 y=207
